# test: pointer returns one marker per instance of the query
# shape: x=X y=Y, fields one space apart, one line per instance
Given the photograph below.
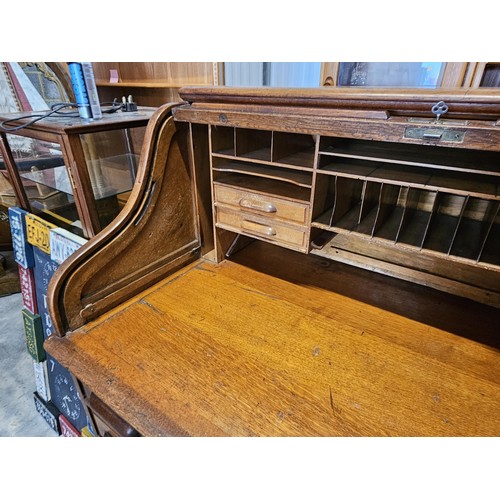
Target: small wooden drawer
x=262 y=204
x=107 y=423
x=263 y=228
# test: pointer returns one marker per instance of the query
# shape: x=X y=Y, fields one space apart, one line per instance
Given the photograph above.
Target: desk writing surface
x=223 y=349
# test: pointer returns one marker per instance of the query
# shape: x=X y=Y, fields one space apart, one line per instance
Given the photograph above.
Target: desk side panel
x=156 y=232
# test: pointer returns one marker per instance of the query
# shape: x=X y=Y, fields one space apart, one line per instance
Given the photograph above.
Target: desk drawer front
x=107 y=422
x=263 y=227
x=262 y=204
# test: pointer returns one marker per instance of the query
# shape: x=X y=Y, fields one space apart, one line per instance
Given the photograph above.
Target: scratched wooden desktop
x=176 y=322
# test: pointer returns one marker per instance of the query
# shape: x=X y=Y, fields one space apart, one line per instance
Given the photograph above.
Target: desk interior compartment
x=263 y=185
x=390 y=211
x=224 y=167
x=418 y=208
x=443 y=224
x=253 y=144
x=477 y=235
x=222 y=139
x=437 y=157
x=351 y=205
x=337 y=202
x=293 y=149
x=490 y=253
x=369 y=209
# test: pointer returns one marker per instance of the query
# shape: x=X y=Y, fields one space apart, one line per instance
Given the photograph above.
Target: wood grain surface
x=227 y=350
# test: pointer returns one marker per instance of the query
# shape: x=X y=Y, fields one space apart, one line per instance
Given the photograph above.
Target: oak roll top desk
x=296 y=262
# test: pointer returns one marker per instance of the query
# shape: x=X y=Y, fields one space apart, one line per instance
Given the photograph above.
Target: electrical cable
x=115 y=106
x=55 y=112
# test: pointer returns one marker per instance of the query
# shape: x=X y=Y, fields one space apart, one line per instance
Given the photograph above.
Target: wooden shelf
x=469 y=250
x=420 y=219
x=473 y=184
x=424 y=232
x=269 y=147
x=276 y=173
x=263 y=156
x=272 y=187
x=480 y=162
x=151 y=83
x=302 y=158
x=141 y=84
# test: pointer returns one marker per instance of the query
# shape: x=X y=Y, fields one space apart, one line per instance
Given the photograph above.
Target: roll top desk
x=268 y=234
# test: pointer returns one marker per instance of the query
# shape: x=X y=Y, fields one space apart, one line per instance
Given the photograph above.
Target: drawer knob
x=256 y=228
x=268 y=208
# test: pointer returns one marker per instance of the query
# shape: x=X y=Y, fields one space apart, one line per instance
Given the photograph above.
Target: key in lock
x=440 y=108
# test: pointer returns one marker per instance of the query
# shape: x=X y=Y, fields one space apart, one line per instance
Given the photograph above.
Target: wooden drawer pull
x=257 y=228
x=268 y=208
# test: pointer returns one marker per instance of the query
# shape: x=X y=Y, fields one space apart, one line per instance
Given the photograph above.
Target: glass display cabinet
x=411 y=75
x=71 y=172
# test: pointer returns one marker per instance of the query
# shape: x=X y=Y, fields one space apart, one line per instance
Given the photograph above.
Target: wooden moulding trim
x=65 y=296
x=480 y=101
x=288 y=110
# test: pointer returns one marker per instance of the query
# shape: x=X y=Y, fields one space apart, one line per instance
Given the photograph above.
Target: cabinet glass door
x=491 y=75
x=112 y=158
x=272 y=74
x=45 y=180
x=391 y=74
